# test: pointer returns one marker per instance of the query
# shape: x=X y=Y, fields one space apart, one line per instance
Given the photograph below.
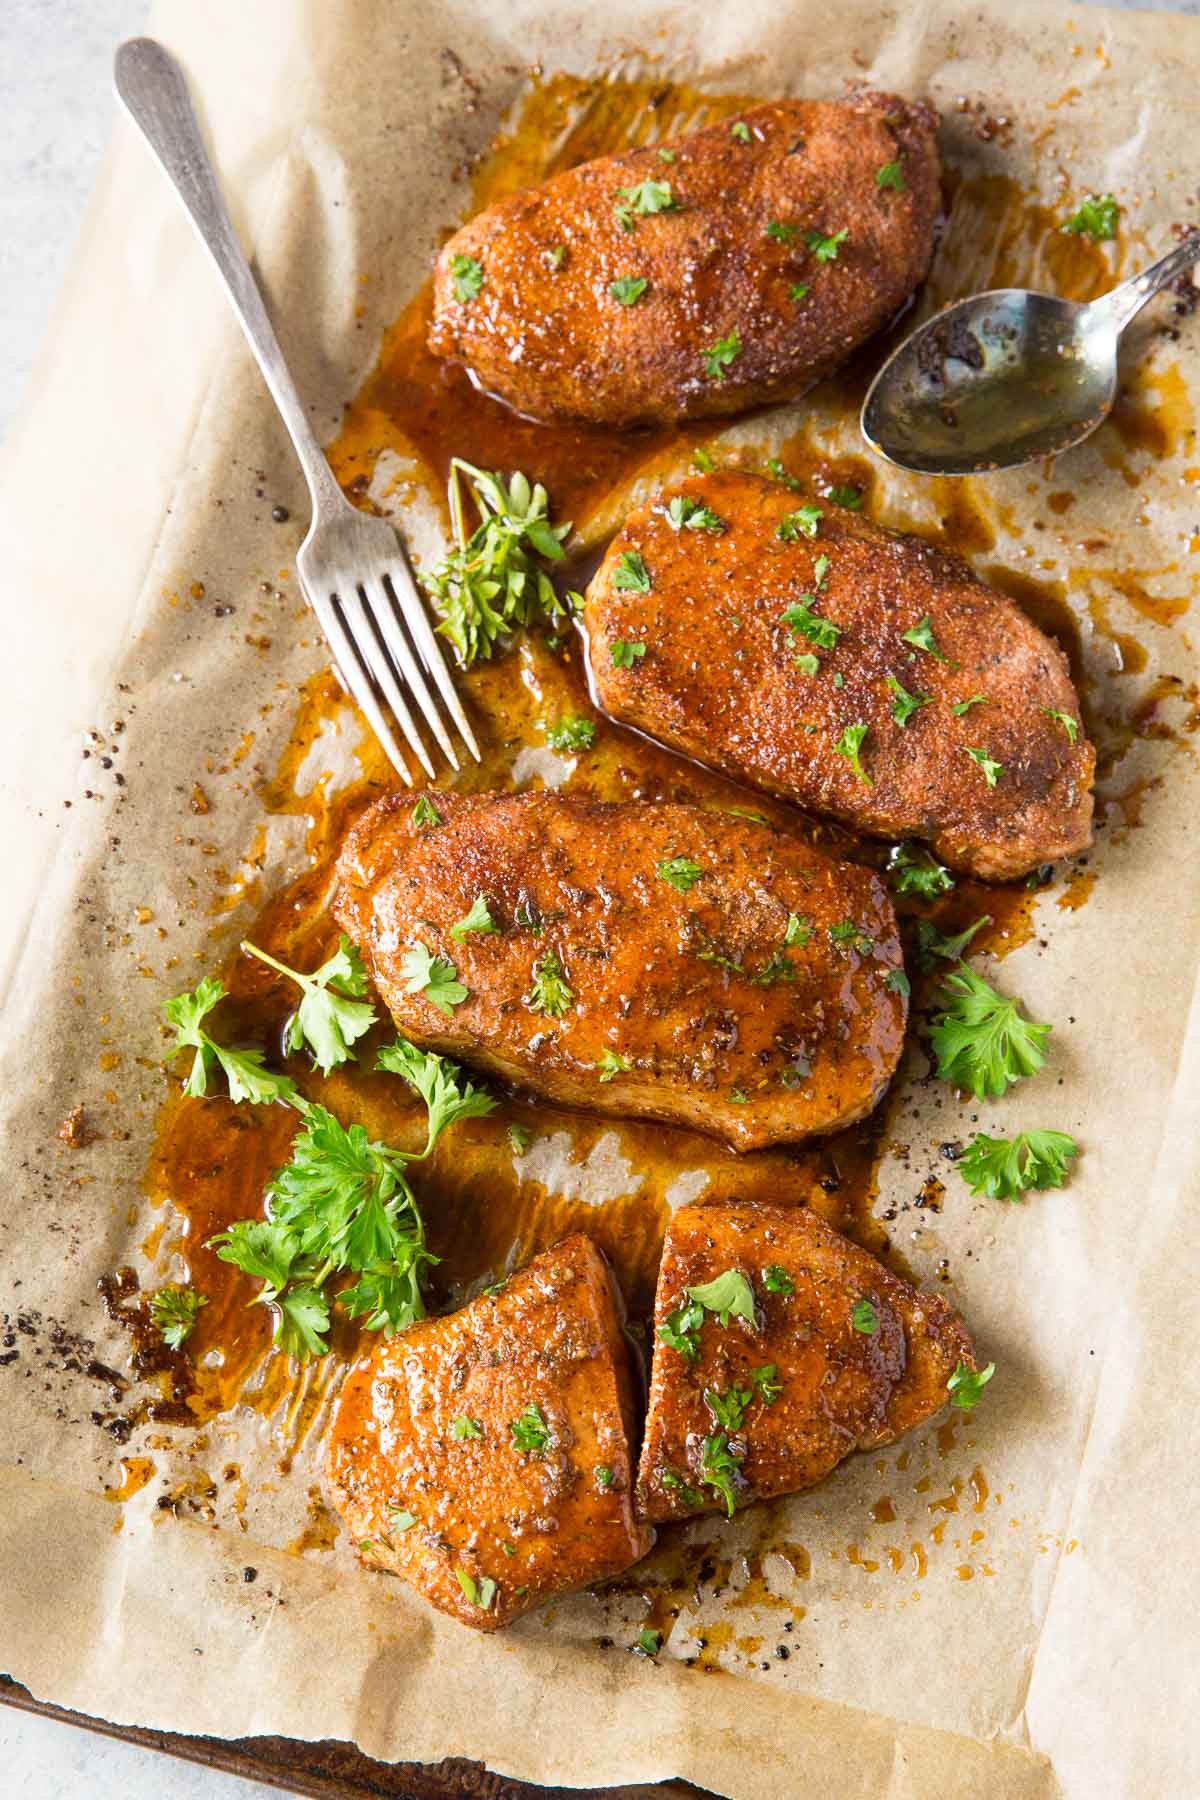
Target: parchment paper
x=148 y=463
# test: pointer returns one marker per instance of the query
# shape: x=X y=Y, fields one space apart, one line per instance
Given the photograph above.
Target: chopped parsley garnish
x=729 y=1408
x=465 y=1428
x=966 y=1385
x=702 y=460
x=530 y=1433
x=174 y=1310
x=850 y=746
x=921 y=637
x=808 y=663
x=612 y=1064
x=666 y=156
x=905 y=704
x=864 y=1318
x=981 y=1041
x=825 y=249
x=631 y=575
x=1005 y=1168
x=799 y=290
x=557 y=256
x=890 y=176
x=401 y=1520
x=467 y=276
x=625 y=655
x=992 y=771
x=720 y=357
x=1096 y=217
x=778 y=968
x=798 y=931
x=849 y=497
x=776 y=1280
x=646 y=197
x=244 y=1070
x=720 y=1468
x=847 y=932
x=479 y=919
x=693 y=515
x=897 y=982
x=729 y=1295
x=802 y=523
x=962 y=707
x=550 y=993
x=519 y=1138
x=1069 y=725
x=740 y=130
x=821 y=570
x=782 y=233
x=738 y=1097
x=628 y=289
x=932 y=947
x=434 y=977
x=425 y=812
x=604 y=1475
x=674 y=1484
x=480 y=1593
x=763 y=1381
x=917 y=871
x=492 y=581
x=776 y=469
x=332 y=1014
x=800 y=619
x=680 y=872
x=680 y=1329
x=649 y=1642
x=571 y=733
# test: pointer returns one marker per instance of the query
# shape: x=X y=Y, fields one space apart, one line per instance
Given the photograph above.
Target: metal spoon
x=1006 y=377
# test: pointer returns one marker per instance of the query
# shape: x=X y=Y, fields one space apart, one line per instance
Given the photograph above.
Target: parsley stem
x=282 y=968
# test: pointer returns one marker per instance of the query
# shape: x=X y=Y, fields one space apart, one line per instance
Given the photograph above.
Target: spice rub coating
x=725 y=236
x=654 y=961
x=782 y=626
x=485 y=1456
x=831 y=1388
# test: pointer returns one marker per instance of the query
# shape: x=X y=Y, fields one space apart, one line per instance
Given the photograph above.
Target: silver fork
x=352 y=568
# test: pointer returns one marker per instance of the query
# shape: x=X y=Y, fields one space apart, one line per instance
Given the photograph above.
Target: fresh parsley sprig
x=174 y=1310
x=917 y=871
x=981 y=1040
x=332 y=1014
x=442 y=1085
x=1006 y=1168
x=244 y=1070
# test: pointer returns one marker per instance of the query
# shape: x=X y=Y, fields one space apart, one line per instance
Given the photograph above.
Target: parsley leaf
x=864 y=1318
x=800 y=619
x=896 y=982
x=776 y=469
x=467 y=277
x=740 y=130
x=1005 y=1168
x=625 y=655
x=631 y=575
x=808 y=663
x=917 y=871
x=702 y=460
x=992 y=771
x=479 y=1593
x=1096 y=217
x=462 y=1428
x=332 y=1014
x=604 y=1475
x=847 y=932
x=798 y=931
x=645 y=197
x=981 y=1041
x=174 y=1310
x=849 y=497
x=776 y=1280
x=479 y=920
x=550 y=993
x=649 y=1641
x=680 y=872
x=729 y=1408
x=493 y=580
x=679 y=1330
x=244 y=1070
x=921 y=637
x=966 y=1385
x=425 y=812
x=530 y=1433
x=721 y=356
x=799 y=524
x=571 y=733
x=729 y=1295
x=442 y=1085
x=905 y=704
x=1069 y=725
x=890 y=176
x=962 y=707
x=435 y=977
x=612 y=1064
x=628 y=289
x=720 y=1468
x=850 y=746
x=933 y=947
x=799 y=290
x=782 y=233
x=763 y=1381
x=519 y=1138
x=825 y=249
x=692 y=514
x=402 y=1520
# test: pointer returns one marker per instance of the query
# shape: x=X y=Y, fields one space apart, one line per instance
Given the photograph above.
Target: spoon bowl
x=1006 y=377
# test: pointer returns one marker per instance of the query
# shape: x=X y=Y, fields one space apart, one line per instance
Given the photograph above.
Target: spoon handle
x=1126 y=301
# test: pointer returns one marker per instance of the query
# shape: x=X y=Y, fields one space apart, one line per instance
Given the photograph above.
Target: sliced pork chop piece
x=771 y=629
x=840 y=1355
x=631 y=289
x=659 y=962
x=486 y=1456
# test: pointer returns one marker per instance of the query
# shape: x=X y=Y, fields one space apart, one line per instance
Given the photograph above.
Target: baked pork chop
x=659 y=962
x=856 y=671
x=723 y=271
x=485 y=1456
x=837 y=1354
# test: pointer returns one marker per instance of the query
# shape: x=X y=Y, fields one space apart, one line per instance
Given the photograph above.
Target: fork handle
x=153 y=90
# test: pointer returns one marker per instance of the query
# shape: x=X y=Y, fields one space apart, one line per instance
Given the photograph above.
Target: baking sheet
x=345 y=135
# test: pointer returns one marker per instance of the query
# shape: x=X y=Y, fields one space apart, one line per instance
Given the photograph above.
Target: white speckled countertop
x=56 y=114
